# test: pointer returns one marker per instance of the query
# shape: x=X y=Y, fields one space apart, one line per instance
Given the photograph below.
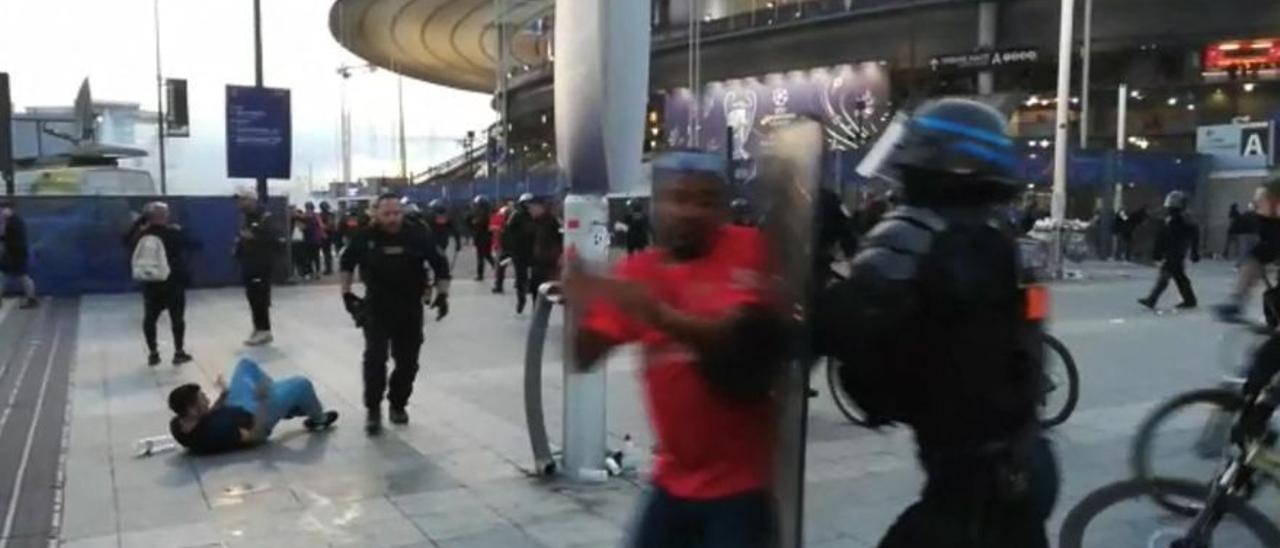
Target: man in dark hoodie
x=256 y=247
x=1177 y=239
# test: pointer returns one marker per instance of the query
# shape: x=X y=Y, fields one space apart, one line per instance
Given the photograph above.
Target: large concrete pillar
x=601 y=91
x=988 y=19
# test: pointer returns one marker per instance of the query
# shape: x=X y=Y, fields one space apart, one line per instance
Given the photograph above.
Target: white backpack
x=150 y=262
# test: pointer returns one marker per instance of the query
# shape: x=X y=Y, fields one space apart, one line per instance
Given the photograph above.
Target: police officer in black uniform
x=518 y=238
x=481 y=237
x=392 y=256
x=932 y=327
x=639 y=229
x=741 y=214
x=442 y=227
x=1177 y=239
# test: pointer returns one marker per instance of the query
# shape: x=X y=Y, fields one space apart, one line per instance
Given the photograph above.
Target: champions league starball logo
x=854 y=113
x=740 y=116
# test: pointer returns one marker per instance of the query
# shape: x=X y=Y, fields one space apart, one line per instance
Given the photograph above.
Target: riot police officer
x=392 y=256
x=933 y=328
x=1177 y=239
x=638 y=227
x=441 y=225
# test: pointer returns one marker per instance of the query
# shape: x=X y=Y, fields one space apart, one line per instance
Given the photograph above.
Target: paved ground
x=457 y=476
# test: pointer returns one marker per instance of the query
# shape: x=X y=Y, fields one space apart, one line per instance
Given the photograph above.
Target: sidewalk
x=455 y=477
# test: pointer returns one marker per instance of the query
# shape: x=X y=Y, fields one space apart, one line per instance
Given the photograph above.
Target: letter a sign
x=1255 y=142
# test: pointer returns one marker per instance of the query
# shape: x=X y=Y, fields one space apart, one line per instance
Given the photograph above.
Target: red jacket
x=496 y=221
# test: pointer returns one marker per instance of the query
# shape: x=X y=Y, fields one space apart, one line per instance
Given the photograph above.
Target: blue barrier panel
x=77 y=244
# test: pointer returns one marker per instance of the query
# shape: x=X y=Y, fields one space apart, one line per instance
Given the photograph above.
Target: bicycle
x=1248 y=458
x=1060 y=378
x=1207 y=443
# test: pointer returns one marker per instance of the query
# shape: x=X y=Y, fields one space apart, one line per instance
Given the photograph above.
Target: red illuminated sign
x=1243 y=54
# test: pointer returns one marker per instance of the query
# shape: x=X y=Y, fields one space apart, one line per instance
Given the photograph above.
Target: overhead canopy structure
x=448 y=42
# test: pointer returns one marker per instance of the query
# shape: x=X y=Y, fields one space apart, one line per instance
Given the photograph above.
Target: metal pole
x=404 y=155
x=1122 y=115
x=257 y=76
x=1058 y=206
x=987 y=15
x=164 y=186
x=6 y=136
x=345 y=129
x=1086 y=73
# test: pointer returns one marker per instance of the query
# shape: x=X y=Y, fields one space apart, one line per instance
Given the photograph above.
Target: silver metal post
x=1062 y=126
x=1086 y=70
x=160 y=118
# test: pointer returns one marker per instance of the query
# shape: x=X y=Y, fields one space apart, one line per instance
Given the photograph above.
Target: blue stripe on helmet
x=1003 y=159
x=684 y=162
x=987 y=136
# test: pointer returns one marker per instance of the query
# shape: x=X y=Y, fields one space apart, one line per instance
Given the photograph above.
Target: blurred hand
x=631 y=298
x=441 y=304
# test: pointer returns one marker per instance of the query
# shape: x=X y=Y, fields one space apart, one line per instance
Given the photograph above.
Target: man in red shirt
x=713 y=338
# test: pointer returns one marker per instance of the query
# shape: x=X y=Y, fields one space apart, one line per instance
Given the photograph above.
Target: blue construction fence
x=77 y=247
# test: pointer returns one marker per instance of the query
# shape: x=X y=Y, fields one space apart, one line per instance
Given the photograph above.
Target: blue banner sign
x=259 y=133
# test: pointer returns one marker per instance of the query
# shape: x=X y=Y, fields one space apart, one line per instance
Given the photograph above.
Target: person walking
x=638 y=227
x=164 y=276
x=392 y=257
x=935 y=332
x=328 y=236
x=548 y=242
x=298 y=249
x=1177 y=240
x=256 y=246
x=1235 y=227
x=14 y=255
x=481 y=236
x=714 y=338
x=517 y=244
x=497 y=225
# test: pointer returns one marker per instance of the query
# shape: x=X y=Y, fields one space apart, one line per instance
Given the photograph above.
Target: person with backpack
x=936 y=333
x=159 y=264
x=1177 y=240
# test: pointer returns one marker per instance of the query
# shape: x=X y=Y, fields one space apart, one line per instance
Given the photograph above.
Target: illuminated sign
x=1243 y=54
x=982 y=60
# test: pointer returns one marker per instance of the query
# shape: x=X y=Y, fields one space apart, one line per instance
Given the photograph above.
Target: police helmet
x=634 y=204
x=480 y=201
x=437 y=206
x=962 y=138
x=525 y=198
x=740 y=206
x=1176 y=200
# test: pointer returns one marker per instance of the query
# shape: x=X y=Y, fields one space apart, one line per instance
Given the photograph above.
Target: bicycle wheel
x=844 y=403
x=1061 y=383
x=1186 y=436
x=1118 y=516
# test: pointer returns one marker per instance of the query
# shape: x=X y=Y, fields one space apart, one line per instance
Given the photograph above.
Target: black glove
x=355 y=307
x=441 y=304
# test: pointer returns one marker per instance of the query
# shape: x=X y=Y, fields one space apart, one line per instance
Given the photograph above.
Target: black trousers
x=500 y=273
x=158 y=297
x=326 y=249
x=521 y=267
x=539 y=273
x=257 y=289
x=399 y=331
x=969 y=506
x=1178 y=272
x=738 y=521
x=484 y=254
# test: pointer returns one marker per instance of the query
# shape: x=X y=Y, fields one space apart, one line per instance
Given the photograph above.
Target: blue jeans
x=290 y=397
x=738 y=521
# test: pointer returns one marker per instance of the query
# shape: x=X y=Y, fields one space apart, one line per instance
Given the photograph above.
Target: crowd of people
x=936 y=261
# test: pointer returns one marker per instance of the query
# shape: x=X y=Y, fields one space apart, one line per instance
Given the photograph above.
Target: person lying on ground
x=245 y=412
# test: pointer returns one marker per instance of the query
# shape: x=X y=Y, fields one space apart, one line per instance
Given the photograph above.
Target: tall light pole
x=345 y=71
x=1058 y=205
x=404 y=155
x=257 y=77
x=1086 y=54
x=160 y=118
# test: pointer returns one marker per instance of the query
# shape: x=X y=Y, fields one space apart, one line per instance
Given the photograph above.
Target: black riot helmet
x=634 y=205
x=1176 y=201
x=949 y=150
x=740 y=206
x=437 y=206
x=480 y=202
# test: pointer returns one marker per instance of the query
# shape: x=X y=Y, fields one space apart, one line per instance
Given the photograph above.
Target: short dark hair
x=386 y=196
x=183 y=397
